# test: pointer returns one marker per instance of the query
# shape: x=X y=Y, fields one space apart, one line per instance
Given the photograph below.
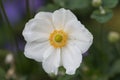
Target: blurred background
x=101 y=18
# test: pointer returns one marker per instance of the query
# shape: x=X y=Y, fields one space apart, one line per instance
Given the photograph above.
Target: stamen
x=58 y=38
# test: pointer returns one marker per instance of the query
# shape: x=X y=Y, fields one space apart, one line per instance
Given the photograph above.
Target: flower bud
x=9 y=59
x=11 y=74
x=96 y=3
x=113 y=37
x=102 y=10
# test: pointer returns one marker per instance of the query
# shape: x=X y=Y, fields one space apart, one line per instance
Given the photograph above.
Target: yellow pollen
x=58 y=38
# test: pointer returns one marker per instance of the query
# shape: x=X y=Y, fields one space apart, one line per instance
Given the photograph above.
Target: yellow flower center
x=58 y=38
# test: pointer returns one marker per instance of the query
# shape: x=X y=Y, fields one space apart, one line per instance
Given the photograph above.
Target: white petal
x=44 y=15
x=75 y=27
x=76 y=31
x=36 y=51
x=61 y=17
x=71 y=59
x=52 y=63
x=83 y=46
x=37 y=30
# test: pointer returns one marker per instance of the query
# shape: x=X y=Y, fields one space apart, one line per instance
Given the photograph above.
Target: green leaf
x=49 y=7
x=65 y=77
x=2 y=74
x=80 y=7
x=103 y=77
x=110 y=3
x=24 y=65
x=73 y=4
x=5 y=35
x=115 y=68
x=102 y=18
x=3 y=54
x=60 y=2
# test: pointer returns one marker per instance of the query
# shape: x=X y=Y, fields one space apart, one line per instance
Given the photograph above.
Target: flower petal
x=52 y=63
x=37 y=30
x=75 y=27
x=44 y=15
x=71 y=59
x=76 y=31
x=36 y=50
x=83 y=46
x=61 y=17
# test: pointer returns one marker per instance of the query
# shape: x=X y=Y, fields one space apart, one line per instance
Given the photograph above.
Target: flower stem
x=102 y=11
x=117 y=49
x=28 y=8
x=5 y=16
x=117 y=53
x=101 y=35
x=9 y=25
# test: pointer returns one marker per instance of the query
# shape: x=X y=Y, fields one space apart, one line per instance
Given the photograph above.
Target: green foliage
x=79 y=7
x=110 y=3
x=71 y=4
x=104 y=15
x=23 y=65
x=3 y=54
x=115 y=68
x=2 y=74
x=5 y=35
x=50 y=7
x=102 y=18
x=65 y=77
x=28 y=68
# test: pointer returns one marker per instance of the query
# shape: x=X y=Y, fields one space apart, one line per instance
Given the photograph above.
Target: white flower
x=56 y=39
